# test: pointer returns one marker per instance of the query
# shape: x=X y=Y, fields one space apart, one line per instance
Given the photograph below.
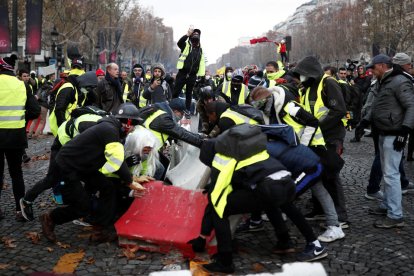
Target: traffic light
x=59 y=53
x=288 y=40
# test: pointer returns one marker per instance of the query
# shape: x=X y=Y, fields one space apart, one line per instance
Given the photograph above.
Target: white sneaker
x=331 y=234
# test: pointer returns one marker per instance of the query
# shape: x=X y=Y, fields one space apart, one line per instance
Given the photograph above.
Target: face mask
x=271 y=76
x=229 y=75
x=195 y=39
x=207 y=77
x=303 y=78
x=259 y=104
x=144 y=156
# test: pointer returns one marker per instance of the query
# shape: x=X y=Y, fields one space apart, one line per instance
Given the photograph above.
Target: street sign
x=52 y=61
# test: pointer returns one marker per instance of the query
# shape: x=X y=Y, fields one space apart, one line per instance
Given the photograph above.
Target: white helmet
x=282 y=41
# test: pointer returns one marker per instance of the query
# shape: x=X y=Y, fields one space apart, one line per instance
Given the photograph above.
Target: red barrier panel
x=166 y=218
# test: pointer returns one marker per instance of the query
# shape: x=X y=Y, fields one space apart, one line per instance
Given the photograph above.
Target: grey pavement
x=364 y=251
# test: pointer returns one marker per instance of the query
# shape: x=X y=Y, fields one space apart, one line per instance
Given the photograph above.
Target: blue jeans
x=375 y=175
x=390 y=162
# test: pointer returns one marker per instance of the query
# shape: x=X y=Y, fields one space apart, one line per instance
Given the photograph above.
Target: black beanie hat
x=197 y=31
x=137 y=66
x=8 y=63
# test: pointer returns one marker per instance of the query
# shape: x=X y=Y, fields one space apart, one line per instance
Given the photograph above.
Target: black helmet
x=206 y=93
x=177 y=104
x=128 y=111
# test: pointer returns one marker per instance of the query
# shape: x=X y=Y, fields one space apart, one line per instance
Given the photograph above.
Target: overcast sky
x=222 y=22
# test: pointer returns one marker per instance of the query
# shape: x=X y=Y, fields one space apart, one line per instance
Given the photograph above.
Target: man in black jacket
x=322 y=96
x=92 y=156
x=159 y=91
x=109 y=90
x=190 y=65
x=18 y=106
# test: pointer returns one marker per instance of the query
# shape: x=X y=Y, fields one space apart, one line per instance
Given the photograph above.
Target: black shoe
x=355 y=140
x=25 y=158
x=27 y=210
x=19 y=217
x=218 y=267
x=250 y=226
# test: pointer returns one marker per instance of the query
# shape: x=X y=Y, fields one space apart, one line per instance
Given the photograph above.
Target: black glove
x=198 y=244
x=133 y=160
x=401 y=140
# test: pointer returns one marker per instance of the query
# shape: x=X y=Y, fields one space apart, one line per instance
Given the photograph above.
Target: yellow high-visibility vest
x=238 y=118
x=180 y=63
x=244 y=93
x=12 y=102
x=52 y=117
x=160 y=136
x=227 y=165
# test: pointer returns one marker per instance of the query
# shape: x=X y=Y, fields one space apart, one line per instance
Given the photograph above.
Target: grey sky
x=222 y=22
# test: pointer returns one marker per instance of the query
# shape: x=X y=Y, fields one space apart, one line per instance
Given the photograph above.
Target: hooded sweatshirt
x=331 y=126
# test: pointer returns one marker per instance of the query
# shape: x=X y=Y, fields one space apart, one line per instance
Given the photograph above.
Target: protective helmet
x=126 y=112
x=206 y=93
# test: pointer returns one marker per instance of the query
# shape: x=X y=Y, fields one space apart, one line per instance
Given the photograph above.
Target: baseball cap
x=381 y=58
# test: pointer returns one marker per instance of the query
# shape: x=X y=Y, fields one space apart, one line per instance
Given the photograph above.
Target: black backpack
x=241 y=141
x=90 y=109
x=249 y=111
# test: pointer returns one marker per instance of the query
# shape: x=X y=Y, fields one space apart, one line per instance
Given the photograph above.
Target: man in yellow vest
x=274 y=72
x=17 y=105
x=126 y=86
x=67 y=98
x=190 y=65
x=244 y=178
x=322 y=96
x=138 y=84
x=91 y=157
x=235 y=91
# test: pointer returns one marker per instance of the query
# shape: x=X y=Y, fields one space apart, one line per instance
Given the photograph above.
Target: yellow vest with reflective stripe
x=183 y=56
x=238 y=118
x=160 y=136
x=320 y=111
x=317 y=139
x=142 y=101
x=244 y=93
x=69 y=109
x=347 y=116
x=63 y=135
x=12 y=102
x=227 y=165
x=114 y=154
x=126 y=91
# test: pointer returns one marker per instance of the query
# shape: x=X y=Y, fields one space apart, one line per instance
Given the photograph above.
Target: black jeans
x=188 y=80
x=14 y=162
x=50 y=180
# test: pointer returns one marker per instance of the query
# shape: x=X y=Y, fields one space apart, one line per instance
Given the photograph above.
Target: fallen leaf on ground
x=24 y=267
x=68 y=263
x=141 y=257
x=42 y=204
x=130 y=255
x=90 y=261
x=133 y=248
x=84 y=236
x=34 y=236
x=4 y=266
x=50 y=249
x=258 y=267
x=196 y=270
x=40 y=157
x=8 y=242
x=63 y=245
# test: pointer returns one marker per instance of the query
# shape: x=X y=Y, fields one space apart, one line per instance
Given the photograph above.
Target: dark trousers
x=284 y=57
x=50 y=180
x=333 y=184
x=14 y=162
x=188 y=80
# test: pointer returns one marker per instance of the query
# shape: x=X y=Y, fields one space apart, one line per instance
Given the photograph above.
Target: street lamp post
x=97 y=48
x=120 y=60
x=54 y=35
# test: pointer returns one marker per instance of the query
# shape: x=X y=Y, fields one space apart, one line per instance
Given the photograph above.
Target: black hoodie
x=86 y=152
x=331 y=126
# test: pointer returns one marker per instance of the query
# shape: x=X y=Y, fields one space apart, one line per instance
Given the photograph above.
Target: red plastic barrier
x=166 y=217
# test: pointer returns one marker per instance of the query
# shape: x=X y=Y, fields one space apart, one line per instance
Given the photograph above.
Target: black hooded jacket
x=331 y=126
x=86 y=152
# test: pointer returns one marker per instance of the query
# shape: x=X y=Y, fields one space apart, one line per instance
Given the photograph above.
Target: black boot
x=223 y=263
